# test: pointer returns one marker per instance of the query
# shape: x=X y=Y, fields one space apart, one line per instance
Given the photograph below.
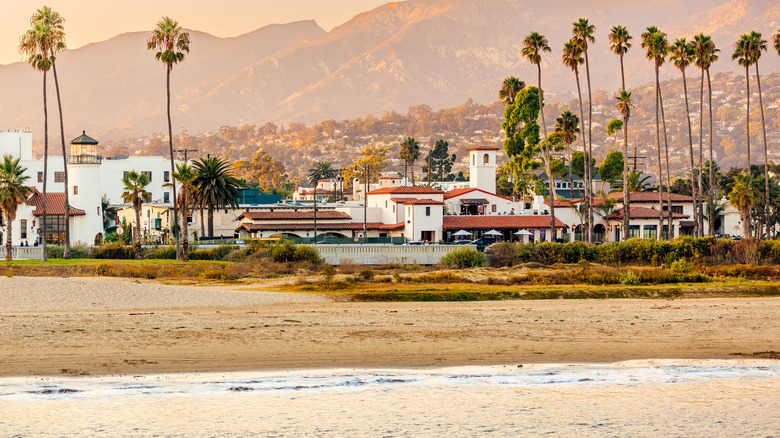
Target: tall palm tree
x=13 y=192
x=216 y=186
x=568 y=126
x=135 y=193
x=35 y=44
x=171 y=43
x=654 y=41
x=410 y=152
x=188 y=193
x=509 y=90
x=619 y=43
x=583 y=35
x=743 y=197
x=55 y=23
x=624 y=105
x=572 y=58
x=533 y=47
x=758 y=46
x=681 y=55
x=705 y=54
x=743 y=54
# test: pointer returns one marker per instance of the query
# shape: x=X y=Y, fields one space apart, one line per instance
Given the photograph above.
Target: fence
x=23 y=253
x=368 y=254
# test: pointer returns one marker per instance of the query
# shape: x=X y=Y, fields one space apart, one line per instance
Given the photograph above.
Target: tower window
x=486 y=159
x=148 y=175
x=40 y=177
x=167 y=176
x=59 y=177
x=75 y=190
x=166 y=197
x=427 y=211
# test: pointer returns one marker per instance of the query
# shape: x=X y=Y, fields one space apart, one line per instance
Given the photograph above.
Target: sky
x=88 y=21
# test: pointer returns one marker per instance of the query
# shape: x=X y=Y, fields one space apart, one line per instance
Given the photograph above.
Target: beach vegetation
x=464 y=258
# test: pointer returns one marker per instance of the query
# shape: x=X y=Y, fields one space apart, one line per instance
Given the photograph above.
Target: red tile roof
x=643 y=213
x=405 y=190
x=55 y=204
x=651 y=197
x=423 y=202
x=459 y=192
x=562 y=203
x=319 y=192
x=293 y=215
x=498 y=222
x=320 y=227
x=483 y=148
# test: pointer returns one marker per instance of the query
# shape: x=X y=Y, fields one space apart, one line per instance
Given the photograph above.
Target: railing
x=23 y=252
x=384 y=254
x=85 y=159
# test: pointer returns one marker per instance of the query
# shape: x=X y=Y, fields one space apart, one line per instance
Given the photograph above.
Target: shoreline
x=89 y=326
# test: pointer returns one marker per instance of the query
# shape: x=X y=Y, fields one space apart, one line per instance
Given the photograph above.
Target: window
x=167 y=176
x=98 y=211
x=651 y=231
x=148 y=175
x=677 y=209
x=59 y=177
x=427 y=211
x=634 y=231
x=385 y=204
x=166 y=197
x=473 y=159
x=55 y=228
x=393 y=208
x=486 y=159
x=75 y=190
x=23 y=229
x=494 y=208
x=40 y=177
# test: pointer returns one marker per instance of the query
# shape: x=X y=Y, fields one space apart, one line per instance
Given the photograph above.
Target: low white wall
x=385 y=254
x=23 y=253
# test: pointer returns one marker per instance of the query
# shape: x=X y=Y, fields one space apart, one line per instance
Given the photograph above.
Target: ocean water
x=627 y=399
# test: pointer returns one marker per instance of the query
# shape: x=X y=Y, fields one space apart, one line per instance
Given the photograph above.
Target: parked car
x=415 y=242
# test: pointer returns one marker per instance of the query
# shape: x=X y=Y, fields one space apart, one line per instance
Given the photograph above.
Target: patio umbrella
x=524 y=233
x=494 y=233
x=462 y=233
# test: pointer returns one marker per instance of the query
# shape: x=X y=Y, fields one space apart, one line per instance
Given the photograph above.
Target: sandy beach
x=93 y=326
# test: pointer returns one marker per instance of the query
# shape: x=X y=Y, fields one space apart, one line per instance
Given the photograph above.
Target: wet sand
x=91 y=326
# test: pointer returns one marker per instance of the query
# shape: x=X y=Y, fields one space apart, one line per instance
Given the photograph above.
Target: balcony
x=85 y=159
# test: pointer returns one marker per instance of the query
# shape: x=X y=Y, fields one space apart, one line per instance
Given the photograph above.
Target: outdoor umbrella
x=494 y=233
x=462 y=233
x=524 y=233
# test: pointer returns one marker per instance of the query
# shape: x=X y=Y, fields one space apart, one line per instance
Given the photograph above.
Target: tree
x=216 y=186
x=135 y=193
x=567 y=126
x=439 y=160
x=410 y=152
x=681 y=55
x=620 y=43
x=657 y=48
x=375 y=157
x=36 y=44
x=743 y=196
x=578 y=164
x=583 y=35
x=13 y=192
x=185 y=177
x=705 y=53
x=171 y=43
x=743 y=54
x=611 y=169
x=624 y=105
x=509 y=89
x=269 y=174
x=522 y=137
x=533 y=47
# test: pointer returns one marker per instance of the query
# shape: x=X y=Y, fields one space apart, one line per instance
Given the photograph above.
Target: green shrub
x=104 y=270
x=630 y=279
x=214 y=274
x=80 y=250
x=366 y=275
x=502 y=254
x=283 y=252
x=681 y=266
x=160 y=253
x=546 y=253
x=307 y=253
x=114 y=251
x=329 y=272
x=54 y=251
x=463 y=258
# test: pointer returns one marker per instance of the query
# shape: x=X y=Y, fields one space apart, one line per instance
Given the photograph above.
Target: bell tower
x=85 y=188
x=482 y=168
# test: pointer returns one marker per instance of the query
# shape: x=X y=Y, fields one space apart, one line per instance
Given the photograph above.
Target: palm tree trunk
x=582 y=117
x=767 y=219
x=622 y=75
x=137 y=232
x=626 y=196
x=202 y=223
x=548 y=158
x=589 y=188
x=700 y=204
x=713 y=187
x=668 y=173
x=8 y=245
x=690 y=154
x=173 y=167
x=747 y=123
x=66 y=251
x=660 y=163
x=185 y=244
x=211 y=217
x=44 y=255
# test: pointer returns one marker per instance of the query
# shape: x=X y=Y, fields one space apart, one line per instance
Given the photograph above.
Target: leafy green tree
x=216 y=186
x=263 y=171
x=410 y=152
x=611 y=169
x=613 y=127
x=521 y=128
x=583 y=36
x=170 y=43
x=682 y=55
x=13 y=192
x=578 y=164
x=440 y=160
x=135 y=193
x=705 y=53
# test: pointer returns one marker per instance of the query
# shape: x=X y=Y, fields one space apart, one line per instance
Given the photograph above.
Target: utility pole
x=185 y=152
x=315 y=213
x=365 y=204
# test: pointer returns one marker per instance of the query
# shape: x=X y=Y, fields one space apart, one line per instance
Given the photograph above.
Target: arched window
x=473 y=159
x=486 y=159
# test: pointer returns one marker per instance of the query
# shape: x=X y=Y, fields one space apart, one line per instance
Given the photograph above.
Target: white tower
x=482 y=168
x=85 y=189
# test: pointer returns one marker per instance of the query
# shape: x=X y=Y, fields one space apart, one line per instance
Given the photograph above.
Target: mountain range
x=434 y=52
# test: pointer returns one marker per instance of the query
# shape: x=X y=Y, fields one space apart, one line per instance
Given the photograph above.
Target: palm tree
x=743 y=196
x=171 y=43
x=185 y=177
x=135 y=193
x=55 y=25
x=572 y=58
x=533 y=47
x=13 y=192
x=714 y=211
x=35 y=44
x=657 y=47
x=410 y=152
x=568 y=126
x=509 y=90
x=619 y=43
x=705 y=54
x=758 y=45
x=743 y=54
x=624 y=105
x=216 y=186
x=583 y=36
x=682 y=54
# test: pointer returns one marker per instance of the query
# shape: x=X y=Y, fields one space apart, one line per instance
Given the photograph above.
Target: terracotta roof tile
x=643 y=213
x=55 y=205
x=293 y=215
x=310 y=226
x=484 y=148
x=405 y=190
x=651 y=197
x=459 y=192
x=498 y=222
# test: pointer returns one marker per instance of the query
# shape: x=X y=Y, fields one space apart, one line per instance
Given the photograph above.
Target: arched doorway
x=98 y=239
x=599 y=233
